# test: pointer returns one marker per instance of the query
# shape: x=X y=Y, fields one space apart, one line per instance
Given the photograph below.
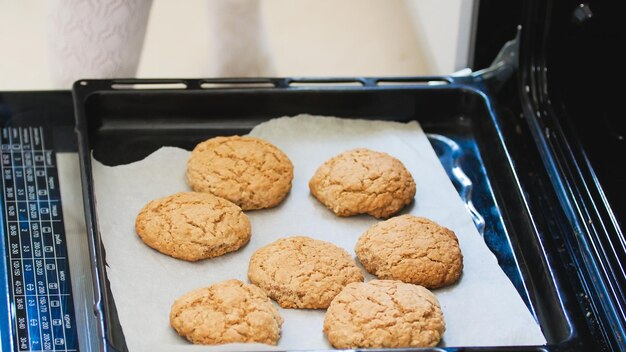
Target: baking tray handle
x=308 y=83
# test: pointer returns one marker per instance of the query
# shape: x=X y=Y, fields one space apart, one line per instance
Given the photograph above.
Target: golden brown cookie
x=301 y=272
x=226 y=312
x=193 y=226
x=411 y=249
x=248 y=171
x=362 y=181
x=384 y=314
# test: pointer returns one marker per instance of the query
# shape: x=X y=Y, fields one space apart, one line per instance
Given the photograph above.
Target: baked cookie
x=193 y=226
x=411 y=249
x=226 y=312
x=301 y=272
x=384 y=314
x=248 y=171
x=362 y=181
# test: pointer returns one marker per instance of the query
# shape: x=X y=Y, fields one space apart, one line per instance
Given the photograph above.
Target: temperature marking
x=39 y=289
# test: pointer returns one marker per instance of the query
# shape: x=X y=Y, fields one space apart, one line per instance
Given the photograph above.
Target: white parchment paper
x=482 y=309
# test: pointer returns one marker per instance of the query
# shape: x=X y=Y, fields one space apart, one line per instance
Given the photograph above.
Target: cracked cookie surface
x=193 y=226
x=384 y=314
x=363 y=181
x=248 y=171
x=411 y=249
x=301 y=272
x=226 y=312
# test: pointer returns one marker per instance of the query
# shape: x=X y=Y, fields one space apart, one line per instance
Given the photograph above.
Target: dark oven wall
x=496 y=23
x=584 y=60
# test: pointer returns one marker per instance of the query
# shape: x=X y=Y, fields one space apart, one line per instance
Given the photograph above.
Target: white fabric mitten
x=95 y=39
x=239 y=42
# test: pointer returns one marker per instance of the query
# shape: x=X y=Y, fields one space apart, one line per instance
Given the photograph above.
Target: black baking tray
x=121 y=121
